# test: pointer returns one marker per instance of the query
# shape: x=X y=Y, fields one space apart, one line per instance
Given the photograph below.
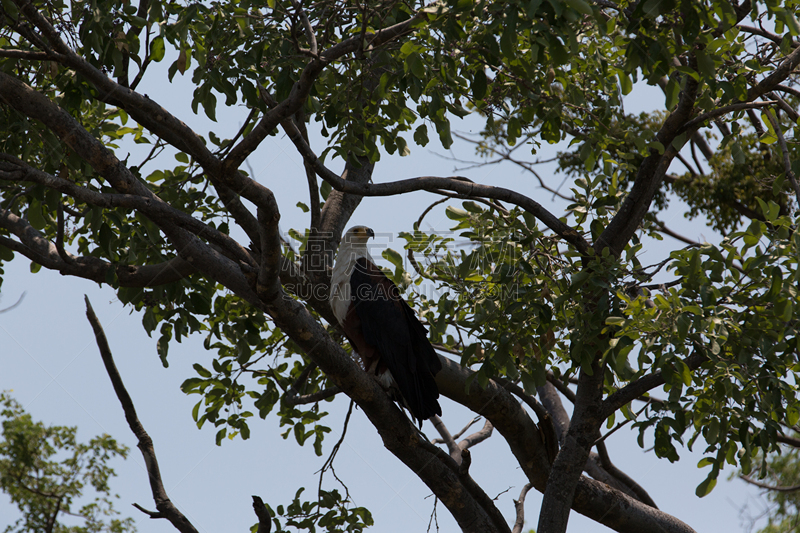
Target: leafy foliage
x=45 y=471
x=516 y=293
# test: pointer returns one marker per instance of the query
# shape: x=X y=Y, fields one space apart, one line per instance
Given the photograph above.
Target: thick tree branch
x=791 y=441
x=12 y=169
x=621 y=476
x=593 y=499
x=163 y=503
x=302 y=87
x=571 y=460
x=399 y=435
x=26 y=55
x=33 y=245
x=710 y=115
x=456 y=184
x=447 y=438
x=778 y=75
x=476 y=438
x=649 y=177
x=209 y=261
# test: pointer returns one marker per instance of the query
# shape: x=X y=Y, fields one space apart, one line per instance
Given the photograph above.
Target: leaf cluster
x=46 y=471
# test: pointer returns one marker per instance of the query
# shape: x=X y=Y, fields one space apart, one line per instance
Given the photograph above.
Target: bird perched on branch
x=392 y=344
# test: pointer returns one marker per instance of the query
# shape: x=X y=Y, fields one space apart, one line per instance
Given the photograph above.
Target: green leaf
x=705 y=488
x=394 y=258
x=36 y=215
x=706 y=64
x=672 y=92
x=162 y=347
x=201 y=370
x=157 y=49
x=581 y=6
x=421 y=135
x=625 y=84
x=479 y=84
x=6 y=254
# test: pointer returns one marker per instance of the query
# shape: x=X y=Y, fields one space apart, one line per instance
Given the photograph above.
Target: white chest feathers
x=341 y=295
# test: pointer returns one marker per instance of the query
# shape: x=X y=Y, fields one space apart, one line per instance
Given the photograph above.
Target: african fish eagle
x=392 y=344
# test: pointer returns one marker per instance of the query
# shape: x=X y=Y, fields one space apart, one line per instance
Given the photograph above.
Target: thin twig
x=776 y=488
x=12 y=306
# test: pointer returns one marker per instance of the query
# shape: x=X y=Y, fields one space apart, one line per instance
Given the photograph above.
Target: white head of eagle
x=392 y=343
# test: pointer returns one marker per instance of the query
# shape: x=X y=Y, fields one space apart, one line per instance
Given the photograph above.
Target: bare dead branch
x=466 y=427
x=476 y=438
x=264 y=519
x=519 y=506
x=151 y=514
x=163 y=504
x=447 y=438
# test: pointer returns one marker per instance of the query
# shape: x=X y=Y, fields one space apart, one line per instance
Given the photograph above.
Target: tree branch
x=160 y=212
x=644 y=384
x=778 y=75
x=776 y=488
x=163 y=503
x=732 y=108
x=447 y=438
x=264 y=520
x=649 y=176
x=456 y=184
x=593 y=499
x=519 y=506
x=302 y=87
x=38 y=249
x=787 y=163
